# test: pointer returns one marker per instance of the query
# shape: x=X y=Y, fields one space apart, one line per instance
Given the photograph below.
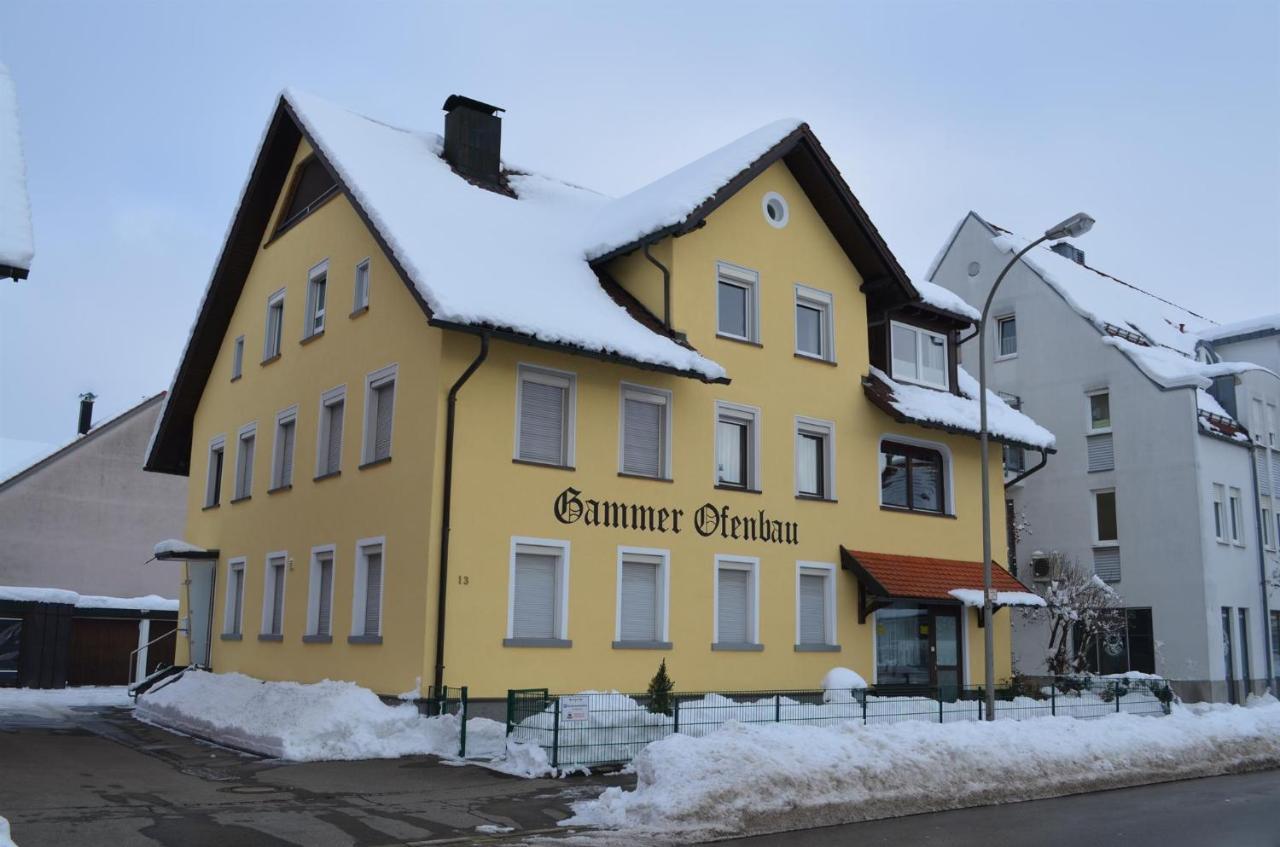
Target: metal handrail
x=133 y=657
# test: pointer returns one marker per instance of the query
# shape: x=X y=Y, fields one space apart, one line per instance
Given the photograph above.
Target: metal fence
x=611 y=728
x=448 y=701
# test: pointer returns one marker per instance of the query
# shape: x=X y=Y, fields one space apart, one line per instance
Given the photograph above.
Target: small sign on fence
x=575 y=708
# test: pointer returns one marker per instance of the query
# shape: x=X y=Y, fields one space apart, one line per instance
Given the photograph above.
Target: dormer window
x=919 y=356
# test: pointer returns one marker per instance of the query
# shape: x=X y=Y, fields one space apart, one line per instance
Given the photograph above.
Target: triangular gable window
x=312 y=185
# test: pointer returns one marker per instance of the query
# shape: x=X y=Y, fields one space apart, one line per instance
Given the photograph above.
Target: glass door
x=1228 y=654
x=946 y=652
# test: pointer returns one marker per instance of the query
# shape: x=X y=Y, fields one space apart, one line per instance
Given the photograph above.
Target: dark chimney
x=86 y=412
x=473 y=139
x=1072 y=252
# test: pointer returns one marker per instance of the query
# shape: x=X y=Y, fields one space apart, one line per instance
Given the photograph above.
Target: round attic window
x=974 y=268
x=775 y=210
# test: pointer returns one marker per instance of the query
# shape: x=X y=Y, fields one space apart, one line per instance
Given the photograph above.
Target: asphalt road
x=1241 y=810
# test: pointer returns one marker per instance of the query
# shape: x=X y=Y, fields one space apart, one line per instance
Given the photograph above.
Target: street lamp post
x=1073 y=227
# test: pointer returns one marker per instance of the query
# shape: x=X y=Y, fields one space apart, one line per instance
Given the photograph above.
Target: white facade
x=1166 y=461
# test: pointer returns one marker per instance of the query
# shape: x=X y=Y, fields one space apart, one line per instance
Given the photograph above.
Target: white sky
x=139 y=120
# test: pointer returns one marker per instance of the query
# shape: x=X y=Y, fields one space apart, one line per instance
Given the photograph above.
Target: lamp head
x=1073 y=227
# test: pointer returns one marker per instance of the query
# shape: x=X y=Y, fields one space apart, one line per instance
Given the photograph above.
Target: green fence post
x=555 y=737
x=462 y=730
x=940 y=718
x=511 y=708
x=777 y=708
x=1116 y=688
x=864 y=707
x=1053 y=698
x=675 y=715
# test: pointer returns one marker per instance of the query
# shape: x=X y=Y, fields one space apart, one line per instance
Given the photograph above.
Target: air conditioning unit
x=1042 y=569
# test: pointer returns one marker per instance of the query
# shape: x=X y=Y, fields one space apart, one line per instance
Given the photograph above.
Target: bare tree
x=1080 y=606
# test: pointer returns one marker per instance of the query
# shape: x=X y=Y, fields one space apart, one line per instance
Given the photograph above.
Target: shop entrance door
x=918 y=646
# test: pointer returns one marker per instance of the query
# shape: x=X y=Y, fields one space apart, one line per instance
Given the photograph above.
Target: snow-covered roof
x=526 y=269
x=945 y=299
x=1172 y=369
x=931 y=407
x=147 y=603
x=974 y=598
x=1261 y=325
x=16 y=246
x=176 y=547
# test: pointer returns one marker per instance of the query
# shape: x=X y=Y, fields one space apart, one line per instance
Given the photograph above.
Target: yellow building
x=450 y=422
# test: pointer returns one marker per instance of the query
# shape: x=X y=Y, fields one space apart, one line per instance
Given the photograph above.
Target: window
x=919 y=355
x=1100 y=411
x=312 y=185
x=1105 y=528
x=642 y=598
x=1266 y=528
x=1131 y=649
x=333 y=406
x=815 y=459
x=213 y=481
x=233 y=615
x=775 y=210
x=237 y=359
x=366 y=606
x=244 y=461
x=1006 y=337
x=737 y=601
x=361 y=287
x=320 y=595
x=646 y=432
x=1015 y=460
x=545 y=403
x=1272 y=414
x=1246 y=672
x=1219 y=513
x=814 y=324
x=317 y=283
x=737 y=446
x=538 y=594
x=815 y=605
x=282 y=460
x=275 y=326
x=912 y=478
x=379 y=406
x=273 y=596
x=737 y=302
x=1275 y=643
x=1235 y=516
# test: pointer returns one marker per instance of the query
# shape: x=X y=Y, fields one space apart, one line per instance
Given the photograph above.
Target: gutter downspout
x=1262 y=572
x=446 y=508
x=1044 y=460
x=666 y=286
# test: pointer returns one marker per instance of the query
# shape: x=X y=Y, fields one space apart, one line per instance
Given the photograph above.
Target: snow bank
x=28 y=699
x=946 y=300
x=148 y=603
x=16 y=245
x=300 y=722
x=842 y=679
x=776 y=777
x=973 y=597
x=5 y=839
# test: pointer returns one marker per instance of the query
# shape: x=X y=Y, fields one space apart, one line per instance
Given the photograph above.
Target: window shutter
x=333 y=450
x=277 y=598
x=373 y=593
x=1102 y=456
x=1275 y=472
x=1264 y=482
x=534 y=615
x=324 y=608
x=384 y=399
x=286 y=453
x=813 y=609
x=642 y=431
x=1106 y=563
x=640 y=601
x=734 y=597
x=542 y=429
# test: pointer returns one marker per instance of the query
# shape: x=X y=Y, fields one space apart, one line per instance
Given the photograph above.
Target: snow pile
x=775 y=777
x=842 y=679
x=670 y=200
x=147 y=603
x=300 y=722
x=931 y=405
x=16 y=246
x=973 y=597
x=946 y=300
x=523 y=270
x=29 y=699
x=176 y=547
x=5 y=839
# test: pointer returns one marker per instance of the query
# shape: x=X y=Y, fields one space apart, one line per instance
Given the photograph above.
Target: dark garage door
x=100 y=649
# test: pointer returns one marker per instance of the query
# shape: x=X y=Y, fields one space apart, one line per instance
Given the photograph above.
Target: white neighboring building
x=1153 y=486
x=16 y=248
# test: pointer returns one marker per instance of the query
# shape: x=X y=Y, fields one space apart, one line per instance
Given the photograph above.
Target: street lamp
x=1073 y=227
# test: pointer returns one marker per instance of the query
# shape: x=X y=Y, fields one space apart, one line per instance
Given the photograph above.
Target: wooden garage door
x=100 y=649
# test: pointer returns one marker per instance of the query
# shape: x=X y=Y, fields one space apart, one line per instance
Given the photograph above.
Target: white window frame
x=646 y=394
x=1088 y=411
x=1221 y=518
x=826 y=430
x=1272 y=416
x=313 y=588
x=359 y=304
x=230 y=626
x=273 y=347
x=743 y=278
x=540 y=545
x=268 y=592
x=211 y=497
x=920 y=334
x=999 y=323
x=755 y=418
x=560 y=379
x=948 y=469
x=237 y=358
x=664 y=593
x=828 y=572
x=329 y=398
x=314 y=312
x=1093 y=517
x=361 y=588
x=1268 y=540
x=1235 y=514
x=249 y=429
x=372 y=380
x=284 y=416
x=750 y=564
x=824 y=304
